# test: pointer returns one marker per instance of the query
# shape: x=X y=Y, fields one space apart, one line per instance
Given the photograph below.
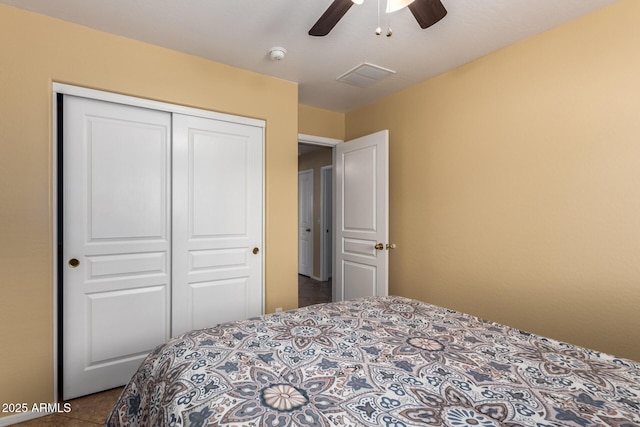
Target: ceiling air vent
x=364 y=75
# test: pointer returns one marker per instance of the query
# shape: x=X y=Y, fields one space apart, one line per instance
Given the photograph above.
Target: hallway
x=311 y=291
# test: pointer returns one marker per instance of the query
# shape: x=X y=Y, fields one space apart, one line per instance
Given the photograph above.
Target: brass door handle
x=74 y=262
x=379 y=246
x=255 y=251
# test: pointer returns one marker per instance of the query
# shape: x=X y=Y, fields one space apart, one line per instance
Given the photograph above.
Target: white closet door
x=217 y=222
x=116 y=219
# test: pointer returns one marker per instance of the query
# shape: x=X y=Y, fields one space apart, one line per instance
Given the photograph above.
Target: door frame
x=56 y=195
x=330 y=143
x=326 y=269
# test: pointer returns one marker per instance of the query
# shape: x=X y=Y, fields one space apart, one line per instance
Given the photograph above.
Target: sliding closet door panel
x=217 y=222
x=116 y=238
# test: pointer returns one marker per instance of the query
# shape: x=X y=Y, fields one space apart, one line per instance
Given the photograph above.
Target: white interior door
x=362 y=217
x=217 y=222
x=305 y=222
x=116 y=222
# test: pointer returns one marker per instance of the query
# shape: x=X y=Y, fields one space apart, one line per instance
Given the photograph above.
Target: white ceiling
x=241 y=32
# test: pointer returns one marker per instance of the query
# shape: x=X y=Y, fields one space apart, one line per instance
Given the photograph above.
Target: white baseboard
x=21 y=417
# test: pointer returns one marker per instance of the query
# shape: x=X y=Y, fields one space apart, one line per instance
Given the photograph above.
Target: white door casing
x=326 y=226
x=217 y=228
x=362 y=217
x=305 y=222
x=116 y=224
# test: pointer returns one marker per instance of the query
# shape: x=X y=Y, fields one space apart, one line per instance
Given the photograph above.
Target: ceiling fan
x=426 y=12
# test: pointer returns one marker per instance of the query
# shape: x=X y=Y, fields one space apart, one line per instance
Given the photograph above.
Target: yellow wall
x=515 y=183
x=319 y=122
x=35 y=51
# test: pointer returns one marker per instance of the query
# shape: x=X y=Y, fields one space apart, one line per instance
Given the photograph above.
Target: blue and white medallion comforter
x=385 y=361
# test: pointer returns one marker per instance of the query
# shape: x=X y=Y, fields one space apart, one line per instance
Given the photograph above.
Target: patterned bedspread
x=385 y=361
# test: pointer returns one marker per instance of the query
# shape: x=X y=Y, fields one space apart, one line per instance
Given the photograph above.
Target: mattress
x=379 y=361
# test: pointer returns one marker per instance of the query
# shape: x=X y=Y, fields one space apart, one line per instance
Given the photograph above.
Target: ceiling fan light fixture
x=426 y=12
x=394 y=5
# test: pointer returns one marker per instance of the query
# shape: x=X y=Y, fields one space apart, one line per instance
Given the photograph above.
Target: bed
x=380 y=361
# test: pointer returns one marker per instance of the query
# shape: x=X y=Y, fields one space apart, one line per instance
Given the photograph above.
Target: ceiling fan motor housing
x=426 y=12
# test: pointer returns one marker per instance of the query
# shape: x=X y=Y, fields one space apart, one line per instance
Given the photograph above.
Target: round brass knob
x=74 y=262
x=255 y=251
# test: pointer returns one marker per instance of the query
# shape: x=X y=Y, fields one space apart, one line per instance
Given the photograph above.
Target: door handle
x=255 y=251
x=308 y=229
x=379 y=246
x=74 y=262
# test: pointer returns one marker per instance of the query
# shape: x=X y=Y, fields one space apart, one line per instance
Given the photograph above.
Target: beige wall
x=35 y=51
x=315 y=160
x=319 y=122
x=515 y=183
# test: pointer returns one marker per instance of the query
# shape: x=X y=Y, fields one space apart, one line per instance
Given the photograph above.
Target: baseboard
x=21 y=417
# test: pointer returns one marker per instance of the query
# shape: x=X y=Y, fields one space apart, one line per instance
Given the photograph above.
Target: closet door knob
x=255 y=251
x=74 y=262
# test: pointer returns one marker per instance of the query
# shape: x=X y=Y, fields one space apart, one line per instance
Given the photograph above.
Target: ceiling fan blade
x=427 y=12
x=330 y=17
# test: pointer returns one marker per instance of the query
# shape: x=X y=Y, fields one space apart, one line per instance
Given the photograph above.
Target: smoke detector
x=277 y=53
